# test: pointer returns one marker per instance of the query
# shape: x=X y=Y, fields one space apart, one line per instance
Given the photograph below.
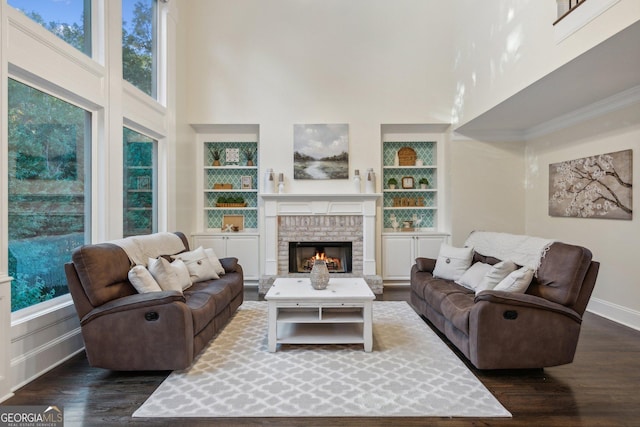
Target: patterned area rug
x=410 y=372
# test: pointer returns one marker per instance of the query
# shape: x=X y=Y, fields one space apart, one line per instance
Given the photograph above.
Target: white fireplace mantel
x=320 y=204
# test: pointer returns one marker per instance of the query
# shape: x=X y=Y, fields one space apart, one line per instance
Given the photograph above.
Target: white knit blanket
x=523 y=250
x=140 y=248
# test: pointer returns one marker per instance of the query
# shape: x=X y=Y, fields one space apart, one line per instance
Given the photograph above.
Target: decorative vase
x=357 y=183
x=319 y=274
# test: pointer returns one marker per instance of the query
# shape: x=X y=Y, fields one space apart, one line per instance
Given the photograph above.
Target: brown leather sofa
x=125 y=330
x=503 y=330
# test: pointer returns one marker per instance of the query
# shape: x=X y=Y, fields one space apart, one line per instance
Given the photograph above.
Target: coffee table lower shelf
x=320 y=333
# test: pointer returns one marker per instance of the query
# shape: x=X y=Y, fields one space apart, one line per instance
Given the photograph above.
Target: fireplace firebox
x=338 y=256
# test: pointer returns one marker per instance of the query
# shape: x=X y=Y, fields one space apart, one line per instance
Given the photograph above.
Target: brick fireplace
x=320 y=219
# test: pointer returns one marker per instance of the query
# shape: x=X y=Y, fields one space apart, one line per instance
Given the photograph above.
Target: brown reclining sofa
x=505 y=330
x=126 y=330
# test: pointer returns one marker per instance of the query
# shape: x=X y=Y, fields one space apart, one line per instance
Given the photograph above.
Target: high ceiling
x=608 y=74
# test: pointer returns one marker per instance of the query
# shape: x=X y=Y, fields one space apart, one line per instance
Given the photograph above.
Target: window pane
x=70 y=19
x=49 y=198
x=139 y=44
x=139 y=184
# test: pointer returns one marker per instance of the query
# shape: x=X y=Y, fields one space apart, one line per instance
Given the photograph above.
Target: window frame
x=154 y=181
x=158 y=52
x=91 y=186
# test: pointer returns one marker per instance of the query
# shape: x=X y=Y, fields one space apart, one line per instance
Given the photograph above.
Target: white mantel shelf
x=320 y=204
x=277 y=204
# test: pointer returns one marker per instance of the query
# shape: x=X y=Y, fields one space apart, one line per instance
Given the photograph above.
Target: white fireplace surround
x=276 y=205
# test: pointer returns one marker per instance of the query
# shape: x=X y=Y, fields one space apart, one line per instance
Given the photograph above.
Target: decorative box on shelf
x=231 y=205
x=222 y=186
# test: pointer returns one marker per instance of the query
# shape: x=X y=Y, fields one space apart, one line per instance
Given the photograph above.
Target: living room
x=509 y=93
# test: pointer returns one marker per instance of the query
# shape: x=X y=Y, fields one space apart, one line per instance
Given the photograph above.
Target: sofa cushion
x=496 y=275
x=517 y=281
x=168 y=276
x=474 y=275
x=561 y=273
x=199 y=265
x=215 y=261
x=142 y=280
x=207 y=299
x=456 y=308
x=436 y=290
x=452 y=262
x=103 y=270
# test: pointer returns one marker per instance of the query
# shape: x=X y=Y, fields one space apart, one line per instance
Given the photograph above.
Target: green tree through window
x=139 y=44
x=48 y=182
x=70 y=20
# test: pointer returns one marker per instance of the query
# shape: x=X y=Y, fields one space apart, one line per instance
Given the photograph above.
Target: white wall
x=613 y=242
x=501 y=47
x=281 y=62
x=487 y=188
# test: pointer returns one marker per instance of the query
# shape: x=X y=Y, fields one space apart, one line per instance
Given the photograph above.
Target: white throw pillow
x=452 y=262
x=474 y=275
x=165 y=275
x=182 y=273
x=518 y=281
x=217 y=265
x=142 y=280
x=200 y=268
x=496 y=275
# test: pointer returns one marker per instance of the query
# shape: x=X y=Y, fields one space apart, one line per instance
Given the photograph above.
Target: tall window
x=140 y=189
x=70 y=19
x=49 y=191
x=140 y=44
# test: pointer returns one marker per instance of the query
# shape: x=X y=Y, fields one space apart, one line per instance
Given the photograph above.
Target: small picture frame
x=246 y=182
x=232 y=222
x=232 y=155
x=407 y=182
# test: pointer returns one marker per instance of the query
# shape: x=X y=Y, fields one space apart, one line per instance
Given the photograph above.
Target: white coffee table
x=339 y=314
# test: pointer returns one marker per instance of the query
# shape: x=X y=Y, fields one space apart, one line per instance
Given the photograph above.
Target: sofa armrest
x=133 y=302
x=526 y=300
x=230 y=264
x=425 y=264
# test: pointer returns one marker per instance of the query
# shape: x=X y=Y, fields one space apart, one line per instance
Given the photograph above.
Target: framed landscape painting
x=592 y=187
x=321 y=151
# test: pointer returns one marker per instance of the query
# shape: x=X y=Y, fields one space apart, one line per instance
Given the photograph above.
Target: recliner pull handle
x=151 y=316
x=510 y=315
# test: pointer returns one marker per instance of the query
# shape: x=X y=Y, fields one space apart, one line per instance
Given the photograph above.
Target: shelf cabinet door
x=245 y=248
x=428 y=246
x=400 y=252
x=397 y=257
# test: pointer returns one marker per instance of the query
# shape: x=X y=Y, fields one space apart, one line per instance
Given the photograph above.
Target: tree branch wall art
x=592 y=187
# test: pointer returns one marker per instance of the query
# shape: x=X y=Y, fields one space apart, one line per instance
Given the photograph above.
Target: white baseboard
x=617 y=313
x=29 y=366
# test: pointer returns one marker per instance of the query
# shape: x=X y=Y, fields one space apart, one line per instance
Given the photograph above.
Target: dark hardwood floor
x=600 y=388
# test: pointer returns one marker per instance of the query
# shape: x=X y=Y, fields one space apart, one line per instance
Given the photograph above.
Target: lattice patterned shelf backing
x=425 y=151
x=222 y=147
x=428 y=217
x=214 y=217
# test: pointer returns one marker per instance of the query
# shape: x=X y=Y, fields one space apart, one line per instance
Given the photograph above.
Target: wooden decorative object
x=407 y=156
x=231 y=205
x=220 y=186
x=235 y=221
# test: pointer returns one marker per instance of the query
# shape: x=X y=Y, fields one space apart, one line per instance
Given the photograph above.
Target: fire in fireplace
x=337 y=255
